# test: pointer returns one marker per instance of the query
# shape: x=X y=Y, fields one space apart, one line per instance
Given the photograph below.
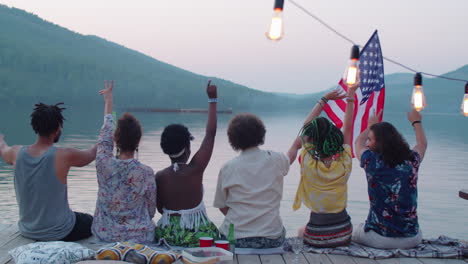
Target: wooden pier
x=10 y=238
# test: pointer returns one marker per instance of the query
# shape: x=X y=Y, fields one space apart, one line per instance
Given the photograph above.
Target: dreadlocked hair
x=326 y=138
x=45 y=119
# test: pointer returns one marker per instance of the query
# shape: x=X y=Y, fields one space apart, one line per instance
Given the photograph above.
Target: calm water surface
x=442 y=173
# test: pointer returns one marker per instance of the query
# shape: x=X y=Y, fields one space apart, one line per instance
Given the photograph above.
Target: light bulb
x=276 y=27
x=418 y=99
x=464 y=106
x=275 y=32
x=351 y=75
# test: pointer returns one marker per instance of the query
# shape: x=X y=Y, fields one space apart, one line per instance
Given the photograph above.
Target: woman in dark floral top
x=392 y=174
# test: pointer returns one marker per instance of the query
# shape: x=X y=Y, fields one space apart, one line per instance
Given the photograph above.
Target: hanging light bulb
x=351 y=74
x=418 y=99
x=275 y=31
x=464 y=106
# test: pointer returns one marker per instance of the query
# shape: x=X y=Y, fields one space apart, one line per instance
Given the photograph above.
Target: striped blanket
x=442 y=247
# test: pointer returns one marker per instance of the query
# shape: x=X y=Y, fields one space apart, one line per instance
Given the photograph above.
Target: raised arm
x=314 y=113
x=360 y=144
x=79 y=158
x=421 y=142
x=8 y=153
x=348 y=118
x=106 y=136
x=202 y=157
x=108 y=97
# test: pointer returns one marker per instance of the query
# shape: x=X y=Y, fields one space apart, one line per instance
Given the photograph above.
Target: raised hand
x=374 y=118
x=414 y=116
x=335 y=95
x=353 y=87
x=211 y=90
x=107 y=91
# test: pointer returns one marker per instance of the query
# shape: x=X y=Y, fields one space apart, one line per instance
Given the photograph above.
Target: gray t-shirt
x=44 y=213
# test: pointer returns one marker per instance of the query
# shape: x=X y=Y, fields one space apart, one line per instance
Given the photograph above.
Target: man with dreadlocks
x=326 y=162
x=40 y=172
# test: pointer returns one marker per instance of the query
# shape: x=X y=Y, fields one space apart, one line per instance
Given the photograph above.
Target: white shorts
x=372 y=239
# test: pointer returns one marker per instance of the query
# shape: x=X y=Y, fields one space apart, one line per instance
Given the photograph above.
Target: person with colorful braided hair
x=326 y=162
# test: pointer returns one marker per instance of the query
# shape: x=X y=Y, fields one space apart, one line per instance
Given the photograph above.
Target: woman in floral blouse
x=392 y=174
x=126 y=200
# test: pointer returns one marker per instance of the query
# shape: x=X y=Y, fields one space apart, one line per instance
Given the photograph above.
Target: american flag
x=370 y=96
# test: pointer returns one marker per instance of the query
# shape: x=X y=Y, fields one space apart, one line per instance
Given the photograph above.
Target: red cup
x=224 y=244
x=206 y=241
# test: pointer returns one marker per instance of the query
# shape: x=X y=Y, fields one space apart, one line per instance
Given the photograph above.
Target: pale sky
x=226 y=39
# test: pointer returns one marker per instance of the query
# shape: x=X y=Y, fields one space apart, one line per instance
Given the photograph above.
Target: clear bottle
x=232 y=239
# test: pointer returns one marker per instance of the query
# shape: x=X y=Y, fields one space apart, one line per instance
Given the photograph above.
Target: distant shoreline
x=175 y=110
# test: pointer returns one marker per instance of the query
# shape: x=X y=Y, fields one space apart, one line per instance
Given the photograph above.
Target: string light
x=464 y=106
x=354 y=43
x=275 y=31
x=418 y=99
x=351 y=75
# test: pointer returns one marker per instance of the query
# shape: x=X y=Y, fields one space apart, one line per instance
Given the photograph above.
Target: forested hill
x=43 y=61
x=442 y=96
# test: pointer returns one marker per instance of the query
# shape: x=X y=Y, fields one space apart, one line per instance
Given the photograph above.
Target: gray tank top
x=44 y=213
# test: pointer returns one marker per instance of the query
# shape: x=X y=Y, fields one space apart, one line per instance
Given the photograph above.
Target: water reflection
x=442 y=173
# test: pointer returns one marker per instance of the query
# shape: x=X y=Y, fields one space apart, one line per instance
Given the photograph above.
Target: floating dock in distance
x=175 y=110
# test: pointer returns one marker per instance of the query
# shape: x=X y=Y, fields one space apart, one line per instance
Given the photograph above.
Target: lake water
x=442 y=174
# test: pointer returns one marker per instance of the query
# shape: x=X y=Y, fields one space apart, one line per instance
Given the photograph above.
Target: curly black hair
x=326 y=138
x=174 y=138
x=46 y=119
x=391 y=144
x=128 y=133
x=246 y=131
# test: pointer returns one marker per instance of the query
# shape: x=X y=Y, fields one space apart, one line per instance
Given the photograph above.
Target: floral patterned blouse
x=126 y=201
x=393 y=196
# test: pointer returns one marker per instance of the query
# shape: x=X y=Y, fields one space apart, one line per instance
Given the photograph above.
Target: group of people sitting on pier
x=249 y=188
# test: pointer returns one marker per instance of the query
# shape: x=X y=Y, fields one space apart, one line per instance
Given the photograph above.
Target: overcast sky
x=227 y=39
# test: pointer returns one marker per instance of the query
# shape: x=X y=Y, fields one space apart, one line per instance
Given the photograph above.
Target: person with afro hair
x=179 y=187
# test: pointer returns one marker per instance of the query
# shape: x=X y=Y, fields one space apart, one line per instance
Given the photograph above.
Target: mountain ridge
x=42 y=61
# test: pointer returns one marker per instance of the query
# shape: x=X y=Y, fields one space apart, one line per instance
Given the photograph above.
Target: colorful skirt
x=175 y=235
x=328 y=230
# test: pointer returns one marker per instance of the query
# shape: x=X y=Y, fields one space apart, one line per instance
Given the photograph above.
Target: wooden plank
x=4 y=226
x=317 y=258
x=399 y=261
x=248 y=259
x=289 y=258
x=441 y=261
x=364 y=260
x=13 y=243
x=8 y=235
x=271 y=259
x=234 y=260
x=340 y=259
